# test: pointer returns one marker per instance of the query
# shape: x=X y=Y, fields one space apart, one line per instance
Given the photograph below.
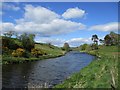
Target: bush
x=18 y=53
x=37 y=52
x=94 y=46
x=5 y=50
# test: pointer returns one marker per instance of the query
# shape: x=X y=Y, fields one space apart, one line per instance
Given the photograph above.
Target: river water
x=44 y=73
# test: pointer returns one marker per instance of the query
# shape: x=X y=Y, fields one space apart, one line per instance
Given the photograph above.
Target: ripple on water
x=44 y=73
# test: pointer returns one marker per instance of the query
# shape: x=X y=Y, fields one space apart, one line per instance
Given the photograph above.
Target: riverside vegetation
x=101 y=72
x=23 y=48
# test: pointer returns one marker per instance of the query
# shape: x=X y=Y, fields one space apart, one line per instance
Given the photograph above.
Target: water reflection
x=44 y=73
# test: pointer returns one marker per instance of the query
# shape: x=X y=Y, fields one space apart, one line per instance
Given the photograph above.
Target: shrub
x=18 y=52
x=37 y=52
x=5 y=50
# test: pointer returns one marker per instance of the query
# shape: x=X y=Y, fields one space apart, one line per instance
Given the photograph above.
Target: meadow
x=100 y=73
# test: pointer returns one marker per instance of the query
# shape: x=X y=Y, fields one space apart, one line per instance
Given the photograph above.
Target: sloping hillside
x=12 y=46
x=49 y=49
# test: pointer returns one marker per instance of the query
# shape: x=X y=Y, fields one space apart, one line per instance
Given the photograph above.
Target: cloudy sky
x=57 y=23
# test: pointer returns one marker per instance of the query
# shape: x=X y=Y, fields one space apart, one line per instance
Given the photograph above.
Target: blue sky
x=74 y=23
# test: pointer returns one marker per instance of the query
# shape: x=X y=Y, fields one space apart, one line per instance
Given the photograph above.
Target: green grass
x=100 y=73
x=13 y=60
x=50 y=50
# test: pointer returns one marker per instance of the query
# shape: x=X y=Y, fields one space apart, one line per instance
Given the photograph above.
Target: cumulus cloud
x=39 y=14
x=113 y=26
x=73 y=13
x=55 y=41
x=9 y=6
x=7 y=27
x=55 y=27
x=43 y=21
x=60 y=42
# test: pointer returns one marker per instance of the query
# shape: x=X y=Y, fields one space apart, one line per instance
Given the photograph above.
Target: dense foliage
x=18 y=52
x=66 y=47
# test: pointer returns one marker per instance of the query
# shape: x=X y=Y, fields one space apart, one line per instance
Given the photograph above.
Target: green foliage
x=84 y=46
x=100 y=73
x=95 y=40
x=9 y=34
x=108 y=40
x=27 y=41
x=94 y=46
x=6 y=51
x=37 y=52
x=112 y=39
x=11 y=43
x=66 y=47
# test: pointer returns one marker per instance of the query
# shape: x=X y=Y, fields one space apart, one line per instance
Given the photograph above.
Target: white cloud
x=43 y=21
x=78 y=41
x=73 y=13
x=53 y=41
x=55 y=27
x=60 y=42
x=9 y=6
x=113 y=26
x=7 y=27
x=39 y=14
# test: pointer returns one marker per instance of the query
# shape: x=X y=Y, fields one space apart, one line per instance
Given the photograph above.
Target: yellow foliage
x=37 y=52
x=18 y=52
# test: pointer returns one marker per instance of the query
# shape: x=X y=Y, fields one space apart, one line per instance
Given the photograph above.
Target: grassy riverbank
x=50 y=50
x=100 y=73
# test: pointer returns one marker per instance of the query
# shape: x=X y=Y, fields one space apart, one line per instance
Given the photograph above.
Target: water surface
x=44 y=73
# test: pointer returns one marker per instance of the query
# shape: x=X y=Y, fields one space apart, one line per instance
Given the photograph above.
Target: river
x=44 y=73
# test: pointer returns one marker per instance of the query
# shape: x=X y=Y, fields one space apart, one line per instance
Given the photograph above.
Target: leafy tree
x=9 y=43
x=66 y=47
x=9 y=34
x=95 y=39
x=27 y=41
x=108 y=40
x=84 y=46
x=115 y=38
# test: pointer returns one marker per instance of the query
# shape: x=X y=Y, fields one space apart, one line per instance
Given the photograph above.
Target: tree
x=95 y=39
x=27 y=41
x=101 y=41
x=66 y=47
x=9 y=34
x=112 y=39
x=115 y=38
x=84 y=46
x=108 y=40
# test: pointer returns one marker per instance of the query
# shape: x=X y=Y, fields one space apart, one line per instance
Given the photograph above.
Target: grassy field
x=100 y=73
x=50 y=50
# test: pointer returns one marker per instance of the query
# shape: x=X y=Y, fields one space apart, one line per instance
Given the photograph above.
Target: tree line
x=111 y=39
